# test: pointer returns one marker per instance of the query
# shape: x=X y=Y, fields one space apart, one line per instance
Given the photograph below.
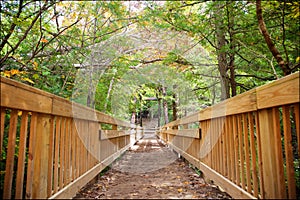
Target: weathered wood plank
x=253 y=155
x=108 y=134
x=241 y=152
x=247 y=153
x=21 y=156
x=51 y=156
x=61 y=152
x=278 y=150
x=241 y=103
x=281 y=92
x=40 y=175
x=193 y=133
x=289 y=152
x=2 y=127
x=269 y=157
x=18 y=98
x=56 y=154
x=297 y=120
x=31 y=155
x=11 y=144
x=260 y=162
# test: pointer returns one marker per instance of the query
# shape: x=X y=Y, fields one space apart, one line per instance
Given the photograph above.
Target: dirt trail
x=150 y=170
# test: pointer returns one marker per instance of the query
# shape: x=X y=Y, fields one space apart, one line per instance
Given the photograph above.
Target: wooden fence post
x=269 y=154
x=41 y=156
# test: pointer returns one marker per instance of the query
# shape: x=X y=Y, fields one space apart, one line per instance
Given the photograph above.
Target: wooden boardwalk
x=53 y=147
x=150 y=170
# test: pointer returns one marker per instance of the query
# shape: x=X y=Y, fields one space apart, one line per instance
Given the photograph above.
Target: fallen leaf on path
x=179 y=190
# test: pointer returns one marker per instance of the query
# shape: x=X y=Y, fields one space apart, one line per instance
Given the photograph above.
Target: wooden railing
x=249 y=144
x=51 y=147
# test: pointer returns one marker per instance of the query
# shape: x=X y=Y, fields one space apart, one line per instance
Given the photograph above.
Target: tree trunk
x=159 y=106
x=133 y=115
x=90 y=98
x=267 y=37
x=174 y=107
x=108 y=93
x=141 y=111
x=165 y=105
x=174 y=103
x=159 y=112
x=230 y=18
x=221 y=42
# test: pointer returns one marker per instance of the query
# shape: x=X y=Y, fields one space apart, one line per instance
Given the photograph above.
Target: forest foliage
x=116 y=55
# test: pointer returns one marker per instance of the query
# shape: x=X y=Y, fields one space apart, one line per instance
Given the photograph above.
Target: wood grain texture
x=281 y=92
x=17 y=98
x=11 y=144
x=21 y=156
x=192 y=133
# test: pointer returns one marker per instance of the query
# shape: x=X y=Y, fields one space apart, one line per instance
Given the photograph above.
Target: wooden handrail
x=61 y=146
x=240 y=142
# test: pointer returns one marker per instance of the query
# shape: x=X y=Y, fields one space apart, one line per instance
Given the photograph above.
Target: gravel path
x=150 y=170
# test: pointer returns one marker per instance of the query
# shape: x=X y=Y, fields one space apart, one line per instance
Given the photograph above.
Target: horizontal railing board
x=23 y=86
x=14 y=97
x=185 y=120
x=107 y=134
x=281 y=92
x=192 y=133
x=245 y=102
x=23 y=97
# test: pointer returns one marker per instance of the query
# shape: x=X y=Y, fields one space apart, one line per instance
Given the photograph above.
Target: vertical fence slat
x=260 y=167
x=247 y=157
x=66 y=152
x=240 y=138
x=21 y=156
x=40 y=175
x=231 y=142
x=297 y=121
x=50 y=156
x=73 y=136
x=236 y=150
x=9 y=167
x=253 y=155
x=56 y=155
x=269 y=156
x=227 y=166
x=220 y=141
x=289 y=152
x=61 y=153
x=31 y=152
x=278 y=148
x=2 y=127
x=77 y=152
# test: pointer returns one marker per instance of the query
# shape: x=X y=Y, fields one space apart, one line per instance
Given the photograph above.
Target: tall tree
x=264 y=31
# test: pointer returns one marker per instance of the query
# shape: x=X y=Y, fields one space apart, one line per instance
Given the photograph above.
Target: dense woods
x=169 y=58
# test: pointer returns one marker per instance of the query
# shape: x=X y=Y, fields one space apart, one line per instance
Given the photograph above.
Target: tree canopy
x=116 y=55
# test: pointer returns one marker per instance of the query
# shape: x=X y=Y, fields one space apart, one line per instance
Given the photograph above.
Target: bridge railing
x=249 y=144
x=51 y=147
